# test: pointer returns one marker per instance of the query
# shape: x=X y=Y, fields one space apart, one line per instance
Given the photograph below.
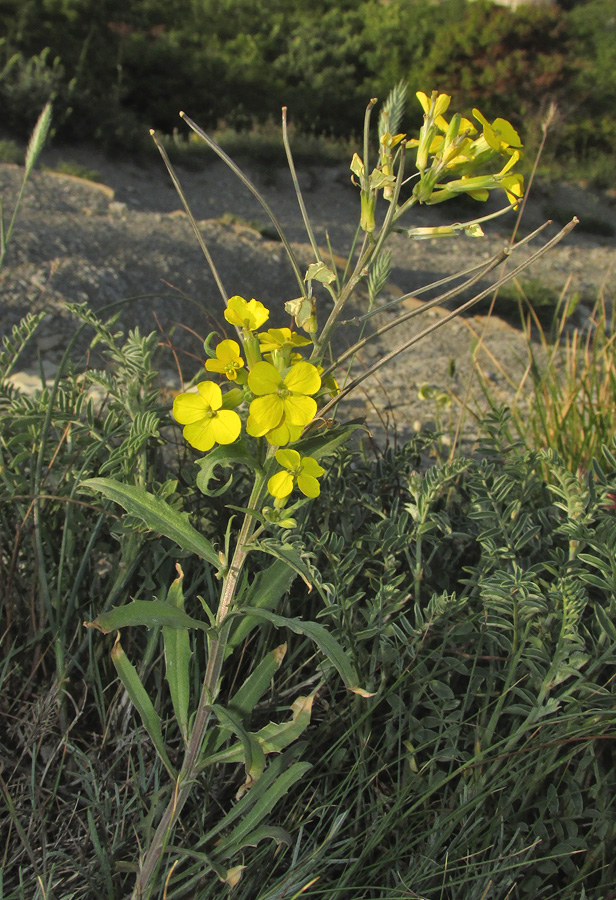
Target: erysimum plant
x=266 y=404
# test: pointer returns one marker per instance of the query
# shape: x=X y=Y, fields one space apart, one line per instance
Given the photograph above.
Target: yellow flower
x=284 y=434
x=479 y=185
x=281 y=338
x=281 y=397
x=279 y=344
x=249 y=314
x=300 y=471
x=206 y=423
x=500 y=135
x=329 y=383
x=435 y=105
x=228 y=360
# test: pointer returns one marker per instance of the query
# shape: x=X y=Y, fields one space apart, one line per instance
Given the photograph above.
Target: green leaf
x=278 y=765
x=227 y=456
x=176 y=643
x=290 y=555
x=140 y=700
x=151 y=613
x=246 y=831
x=267 y=589
x=249 y=751
x=258 y=682
x=275 y=736
x=273 y=832
x=326 y=643
x=327 y=443
x=157 y=515
x=606 y=624
x=272 y=738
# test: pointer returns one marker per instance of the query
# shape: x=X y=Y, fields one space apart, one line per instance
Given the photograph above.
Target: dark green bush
x=478 y=599
x=124 y=67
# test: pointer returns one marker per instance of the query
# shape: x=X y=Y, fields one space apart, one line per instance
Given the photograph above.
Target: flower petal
x=199 y=434
x=303 y=378
x=226 y=426
x=299 y=410
x=229 y=352
x=267 y=412
x=311 y=467
x=246 y=314
x=214 y=365
x=290 y=459
x=264 y=378
x=280 y=484
x=308 y=485
x=189 y=408
x=282 y=434
x=255 y=428
x=211 y=393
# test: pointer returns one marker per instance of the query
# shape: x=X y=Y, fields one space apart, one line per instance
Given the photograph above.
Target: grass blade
x=127 y=674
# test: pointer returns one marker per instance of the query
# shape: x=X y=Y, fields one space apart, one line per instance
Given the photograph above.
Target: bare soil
x=124 y=245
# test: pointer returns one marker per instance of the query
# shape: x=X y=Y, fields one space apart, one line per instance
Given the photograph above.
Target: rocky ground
x=125 y=239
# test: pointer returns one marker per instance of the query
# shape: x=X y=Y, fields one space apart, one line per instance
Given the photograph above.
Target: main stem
x=153 y=855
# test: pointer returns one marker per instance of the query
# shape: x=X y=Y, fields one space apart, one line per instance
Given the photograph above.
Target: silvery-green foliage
x=478 y=597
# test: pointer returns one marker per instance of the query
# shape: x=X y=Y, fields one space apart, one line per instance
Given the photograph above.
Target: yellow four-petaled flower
x=302 y=471
x=281 y=398
x=249 y=314
x=205 y=421
x=228 y=360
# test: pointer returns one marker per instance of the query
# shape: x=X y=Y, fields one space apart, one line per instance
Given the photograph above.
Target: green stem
x=253 y=190
x=384 y=360
x=151 y=861
x=367 y=256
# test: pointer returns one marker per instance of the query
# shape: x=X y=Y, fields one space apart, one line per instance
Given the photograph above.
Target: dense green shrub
x=479 y=600
x=123 y=67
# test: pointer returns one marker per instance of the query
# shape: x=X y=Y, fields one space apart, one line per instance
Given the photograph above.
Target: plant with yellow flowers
x=267 y=405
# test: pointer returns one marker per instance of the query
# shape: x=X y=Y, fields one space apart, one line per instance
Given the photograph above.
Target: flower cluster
x=276 y=385
x=449 y=155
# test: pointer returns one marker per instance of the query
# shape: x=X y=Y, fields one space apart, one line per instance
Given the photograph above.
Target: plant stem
x=186 y=777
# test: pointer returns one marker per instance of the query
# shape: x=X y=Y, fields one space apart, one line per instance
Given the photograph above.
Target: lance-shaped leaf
x=151 y=613
x=248 y=695
x=278 y=766
x=267 y=589
x=157 y=515
x=249 y=751
x=140 y=700
x=258 y=682
x=272 y=738
x=248 y=831
x=326 y=643
x=177 y=657
x=324 y=444
x=228 y=456
x=290 y=555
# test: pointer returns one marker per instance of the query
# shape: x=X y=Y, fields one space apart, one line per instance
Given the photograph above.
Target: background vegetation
x=115 y=68
x=476 y=599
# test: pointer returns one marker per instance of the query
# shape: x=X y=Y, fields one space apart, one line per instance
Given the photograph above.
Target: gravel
x=126 y=242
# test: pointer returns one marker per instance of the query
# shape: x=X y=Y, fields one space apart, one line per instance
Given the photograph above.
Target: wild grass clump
x=566 y=397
